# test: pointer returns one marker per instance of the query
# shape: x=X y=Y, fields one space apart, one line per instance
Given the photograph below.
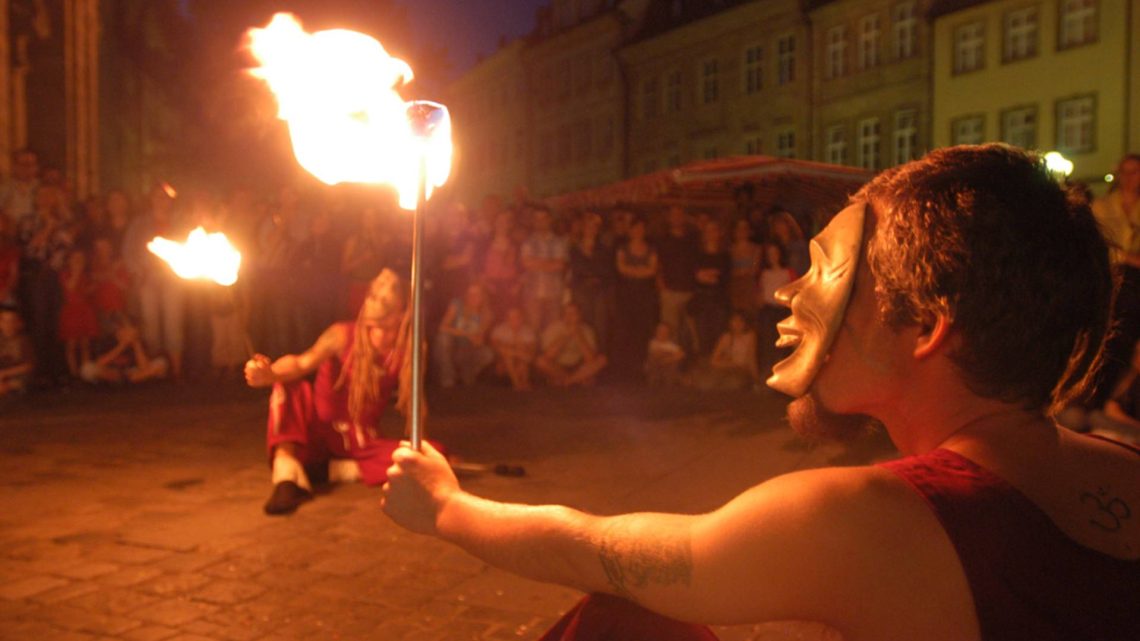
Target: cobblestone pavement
x=136 y=514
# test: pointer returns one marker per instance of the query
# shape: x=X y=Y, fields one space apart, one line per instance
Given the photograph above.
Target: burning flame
x=337 y=89
x=203 y=256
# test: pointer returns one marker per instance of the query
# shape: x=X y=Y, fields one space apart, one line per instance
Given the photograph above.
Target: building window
x=1020 y=35
x=1078 y=23
x=869 y=143
x=1019 y=127
x=649 y=98
x=754 y=146
x=753 y=69
x=786 y=52
x=673 y=92
x=836 y=54
x=1076 y=124
x=968 y=130
x=710 y=81
x=869 y=37
x=786 y=143
x=835 y=151
x=906 y=136
x=606 y=144
x=905 y=28
x=969 y=47
x=605 y=71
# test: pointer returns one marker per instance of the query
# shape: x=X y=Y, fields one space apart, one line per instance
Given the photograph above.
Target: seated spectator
x=570 y=351
x=16 y=357
x=733 y=362
x=663 y=365
x=461 y=345
x=125 y=362
x=111 y=282
x=515 y=344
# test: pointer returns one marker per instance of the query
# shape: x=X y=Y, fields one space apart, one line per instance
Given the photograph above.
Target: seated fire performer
x=959 y=300
x=329 y=427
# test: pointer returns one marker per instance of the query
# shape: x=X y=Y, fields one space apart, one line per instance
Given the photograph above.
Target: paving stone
x=88 y=570
x=130 y=575
x=114 y=601
x=150 y=632
x=66 y=593
x=127 y=554
x=227 y=592
x=174 y=584
x=78 y=619
x=30 y=586
x=174 y=612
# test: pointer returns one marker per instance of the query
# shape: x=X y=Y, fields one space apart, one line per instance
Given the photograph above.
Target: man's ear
x=933 y=335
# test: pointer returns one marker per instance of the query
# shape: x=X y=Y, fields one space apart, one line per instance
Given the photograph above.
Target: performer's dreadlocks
x=383 y=308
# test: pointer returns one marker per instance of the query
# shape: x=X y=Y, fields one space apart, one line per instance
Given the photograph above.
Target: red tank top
x=1028 y=579
x=332 y=403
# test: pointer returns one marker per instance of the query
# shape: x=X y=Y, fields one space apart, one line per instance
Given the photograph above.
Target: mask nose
x=788 y=292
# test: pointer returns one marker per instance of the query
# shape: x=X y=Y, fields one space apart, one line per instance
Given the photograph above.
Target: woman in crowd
x=461 y=345
x=773 y=276
x=786 y=231
x=637 y=290
x=745 y=268
x=733 y=363
x=501 y=266
x=592 y=276
x=709 y=305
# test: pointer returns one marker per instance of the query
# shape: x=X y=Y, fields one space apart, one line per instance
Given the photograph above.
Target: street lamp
x=1058 y=165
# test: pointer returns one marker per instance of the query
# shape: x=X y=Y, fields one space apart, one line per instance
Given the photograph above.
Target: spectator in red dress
x=77 y=322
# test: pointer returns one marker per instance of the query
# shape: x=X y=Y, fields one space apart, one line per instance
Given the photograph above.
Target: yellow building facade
x=728 y=84
x=490 y=113
x=1041 y=74
x=871 y=82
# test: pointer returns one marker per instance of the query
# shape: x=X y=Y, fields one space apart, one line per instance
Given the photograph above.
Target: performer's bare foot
x=286 y=498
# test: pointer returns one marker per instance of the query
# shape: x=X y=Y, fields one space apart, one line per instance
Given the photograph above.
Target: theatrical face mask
x=818 y=302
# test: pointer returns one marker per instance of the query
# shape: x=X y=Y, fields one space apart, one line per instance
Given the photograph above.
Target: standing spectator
x=592 y=277
x=365 y=255
x=111 y=282
x=515 y=344
x=461 y=345
x=320 y=287
x=637 y=290
x=664 y=358
x=745 y=268
x=47 y=237
x=786 y=231
x=677 y=253
x=544 y=256
x=18 y=193
x=501 y=266
x=709 y=304
x=1119 y=216
x=771 y=311
x=9 y=262
x=78 y=325
x=118 y=217
x=17 y=360
x=454 y=273
x=570 y=351
x=161 y=294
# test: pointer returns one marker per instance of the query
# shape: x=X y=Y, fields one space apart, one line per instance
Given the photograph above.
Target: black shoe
x=286 y=497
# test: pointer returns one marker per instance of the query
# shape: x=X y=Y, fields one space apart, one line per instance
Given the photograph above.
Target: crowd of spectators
x=516 y=293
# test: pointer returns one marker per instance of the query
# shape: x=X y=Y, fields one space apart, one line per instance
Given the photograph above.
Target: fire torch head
x=427 y=117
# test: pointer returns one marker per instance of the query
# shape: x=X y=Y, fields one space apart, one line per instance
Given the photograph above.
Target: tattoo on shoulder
x=631 y=563
x=1109 y=512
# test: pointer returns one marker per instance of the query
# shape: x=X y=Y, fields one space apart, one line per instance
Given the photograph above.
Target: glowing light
x=1109 y=178
x=203 y=256
x=171 y=192
x=337 y=90
x=1058 y=164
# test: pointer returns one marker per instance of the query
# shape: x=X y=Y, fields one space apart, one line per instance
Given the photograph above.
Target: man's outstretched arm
x=803 y=546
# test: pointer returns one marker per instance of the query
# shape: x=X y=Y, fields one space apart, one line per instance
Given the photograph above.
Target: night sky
x=471 y=27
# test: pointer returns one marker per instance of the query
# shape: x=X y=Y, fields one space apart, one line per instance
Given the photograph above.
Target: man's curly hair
x=986 y=236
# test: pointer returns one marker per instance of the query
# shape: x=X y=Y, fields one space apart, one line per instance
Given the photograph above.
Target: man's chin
x=812 y=421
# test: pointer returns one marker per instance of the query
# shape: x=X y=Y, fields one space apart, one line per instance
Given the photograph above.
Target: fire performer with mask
x=957 y=302
x=329 y=428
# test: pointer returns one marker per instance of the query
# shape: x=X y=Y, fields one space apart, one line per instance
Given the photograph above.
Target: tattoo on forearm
x=632 y=563
x=1111 y=511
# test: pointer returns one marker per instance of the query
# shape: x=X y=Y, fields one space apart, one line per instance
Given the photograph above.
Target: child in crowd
x=733 y=363
x=16 y=360
x=515 y=344
x=111 y=280
x=78 y=324
x=126 y=362
x=663 y=365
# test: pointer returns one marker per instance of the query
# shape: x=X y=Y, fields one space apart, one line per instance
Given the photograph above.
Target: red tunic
x=1029 y=580
x=77 y=318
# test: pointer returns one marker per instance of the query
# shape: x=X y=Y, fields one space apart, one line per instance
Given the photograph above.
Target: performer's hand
x=258 y=371
x=419 y=486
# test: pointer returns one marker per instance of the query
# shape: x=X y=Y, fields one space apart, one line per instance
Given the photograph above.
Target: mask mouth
x=790 y=335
